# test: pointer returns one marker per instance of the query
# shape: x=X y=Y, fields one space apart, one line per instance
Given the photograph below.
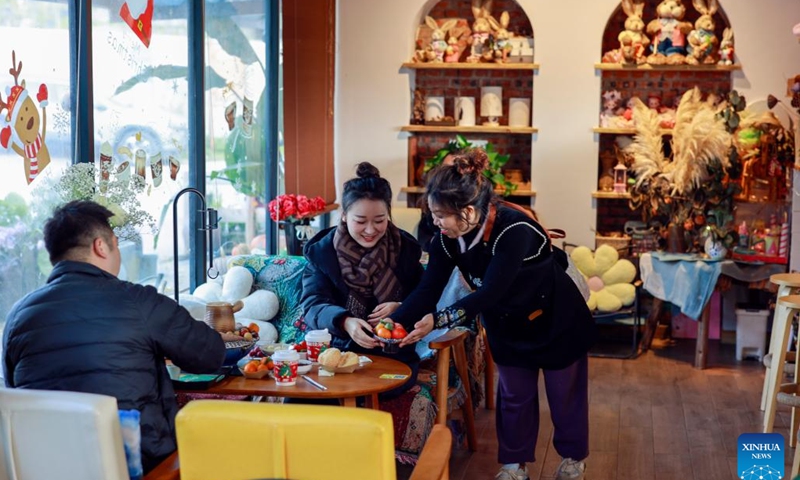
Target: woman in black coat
x=535 y=317
x=360 y=271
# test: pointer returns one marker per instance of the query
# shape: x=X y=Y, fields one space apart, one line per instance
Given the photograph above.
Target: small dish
x=362 y=362
x=256 y=375
x=390 y=345
x=303 y=366
x=270 y=348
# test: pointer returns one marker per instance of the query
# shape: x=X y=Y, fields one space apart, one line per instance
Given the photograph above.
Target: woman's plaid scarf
x=369 y=272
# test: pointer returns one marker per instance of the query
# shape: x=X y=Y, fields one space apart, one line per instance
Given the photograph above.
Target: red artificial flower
x=292 y=208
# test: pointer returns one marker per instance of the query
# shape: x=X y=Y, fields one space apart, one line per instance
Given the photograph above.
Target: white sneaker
x=518 y=474
x=570 y=469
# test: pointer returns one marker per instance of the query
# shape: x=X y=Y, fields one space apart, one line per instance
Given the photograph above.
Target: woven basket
x=621 y=244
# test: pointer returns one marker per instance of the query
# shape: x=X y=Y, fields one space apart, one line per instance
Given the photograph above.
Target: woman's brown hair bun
x=367 y=170
x=471 y=161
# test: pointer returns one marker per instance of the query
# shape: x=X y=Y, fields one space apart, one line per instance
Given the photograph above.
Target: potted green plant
x=493 y=171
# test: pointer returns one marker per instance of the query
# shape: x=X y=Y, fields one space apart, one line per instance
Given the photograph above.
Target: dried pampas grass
x=698 y=139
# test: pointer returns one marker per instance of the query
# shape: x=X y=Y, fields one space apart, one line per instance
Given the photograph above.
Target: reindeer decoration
x=19 y=128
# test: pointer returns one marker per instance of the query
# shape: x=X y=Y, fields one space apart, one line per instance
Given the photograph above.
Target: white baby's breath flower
x=82 y=181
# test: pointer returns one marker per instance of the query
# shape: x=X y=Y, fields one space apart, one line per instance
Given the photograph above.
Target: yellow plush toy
x=609 y=278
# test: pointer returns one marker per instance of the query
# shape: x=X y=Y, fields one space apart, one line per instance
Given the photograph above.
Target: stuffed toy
x=259 y=306
x=608 y=276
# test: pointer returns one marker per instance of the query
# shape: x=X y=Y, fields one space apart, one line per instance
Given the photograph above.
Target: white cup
x=285 y=369
x=316 y=340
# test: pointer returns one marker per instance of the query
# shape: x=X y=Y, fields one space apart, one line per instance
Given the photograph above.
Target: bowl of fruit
x=254 y=367
x=389 y=334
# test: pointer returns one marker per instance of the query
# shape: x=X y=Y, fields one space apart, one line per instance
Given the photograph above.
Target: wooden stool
x=788 y=283
x=787 y=395
x=785 y=309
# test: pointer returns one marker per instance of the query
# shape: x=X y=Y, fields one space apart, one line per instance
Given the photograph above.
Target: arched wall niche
x=519 y=23
x=616 y=22
x=453 y=83
x=668 y=84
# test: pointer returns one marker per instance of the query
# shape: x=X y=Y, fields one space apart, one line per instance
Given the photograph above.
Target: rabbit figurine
x=453 y=52
x=669 y=34
x=703 y=43
x=481 y=28
x=726 y=47
x=438 y=44
x=502 y=47
x=633 y=42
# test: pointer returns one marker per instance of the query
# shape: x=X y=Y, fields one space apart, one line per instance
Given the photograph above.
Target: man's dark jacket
x=87 y=331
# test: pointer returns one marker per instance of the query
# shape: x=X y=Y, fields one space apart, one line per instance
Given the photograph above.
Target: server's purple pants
x=518 y=411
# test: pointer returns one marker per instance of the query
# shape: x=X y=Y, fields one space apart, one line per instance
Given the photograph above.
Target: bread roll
x=348 y=359
x=330 y=357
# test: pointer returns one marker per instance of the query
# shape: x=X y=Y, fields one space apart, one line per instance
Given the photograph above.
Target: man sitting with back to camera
x=88 y=331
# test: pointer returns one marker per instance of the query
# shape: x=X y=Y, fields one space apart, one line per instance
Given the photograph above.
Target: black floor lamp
x=208 y=220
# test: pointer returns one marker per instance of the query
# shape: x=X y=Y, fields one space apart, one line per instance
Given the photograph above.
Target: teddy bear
x=260 y=306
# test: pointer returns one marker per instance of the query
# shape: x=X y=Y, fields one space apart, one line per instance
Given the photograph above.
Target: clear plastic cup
x=316 y=340
x=285 y=369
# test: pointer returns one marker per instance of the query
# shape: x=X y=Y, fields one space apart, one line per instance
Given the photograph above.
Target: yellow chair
x=220 y=439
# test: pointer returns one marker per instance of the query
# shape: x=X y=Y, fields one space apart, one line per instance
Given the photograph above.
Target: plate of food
x=257 y=368
x=333 y=360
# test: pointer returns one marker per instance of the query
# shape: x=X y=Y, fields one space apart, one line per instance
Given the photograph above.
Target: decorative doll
x=669 y=34
x=703 y=43
x=611 y=101
x=726 y=48
x=481 y=28
x=501 y=35
x=438 y=44
x=633 y=42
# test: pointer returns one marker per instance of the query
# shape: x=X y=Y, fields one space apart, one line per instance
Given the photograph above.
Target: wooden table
x=364 y=382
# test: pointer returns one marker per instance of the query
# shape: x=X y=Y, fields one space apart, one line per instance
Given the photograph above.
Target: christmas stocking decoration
x=138 y=14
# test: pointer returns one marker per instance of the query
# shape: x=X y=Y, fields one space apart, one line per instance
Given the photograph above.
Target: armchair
x=296 y=441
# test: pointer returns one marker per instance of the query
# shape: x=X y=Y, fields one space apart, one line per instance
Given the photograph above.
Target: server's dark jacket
x=535 y=316
x=325 y=293
x=87 y=331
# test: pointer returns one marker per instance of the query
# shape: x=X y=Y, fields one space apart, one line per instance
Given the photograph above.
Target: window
x=35 y=35
x=141 y=115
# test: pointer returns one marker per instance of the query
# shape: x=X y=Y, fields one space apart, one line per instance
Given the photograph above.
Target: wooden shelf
x=516 y=193
x=668 y=68
x=626 y=131
x=611 y=195
x=476 y=129
x=471 y=66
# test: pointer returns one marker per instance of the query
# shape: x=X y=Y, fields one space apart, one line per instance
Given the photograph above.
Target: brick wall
x=670 y=86
x=467 y=83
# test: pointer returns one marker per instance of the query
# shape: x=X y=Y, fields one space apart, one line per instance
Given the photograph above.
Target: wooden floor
x=652 y=418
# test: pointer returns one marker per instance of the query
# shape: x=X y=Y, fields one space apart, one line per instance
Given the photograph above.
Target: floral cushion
x=609 y=277
x=283 y=276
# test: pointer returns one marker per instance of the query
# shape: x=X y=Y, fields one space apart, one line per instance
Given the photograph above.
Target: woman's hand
x=421 y=328
x=355 y=327
x=382 y=311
